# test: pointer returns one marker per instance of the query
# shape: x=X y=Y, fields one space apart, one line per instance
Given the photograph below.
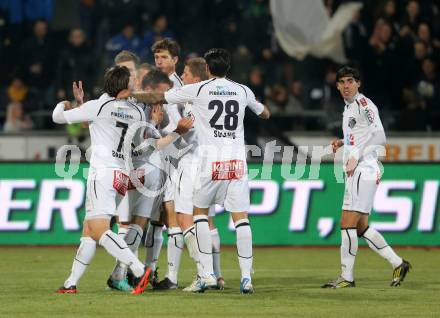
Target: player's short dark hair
x=348 y=71
x=116 y=79
x=197 y=67
x=219 y=61
x=167 y=44
x=154 y=78
x=127 y=56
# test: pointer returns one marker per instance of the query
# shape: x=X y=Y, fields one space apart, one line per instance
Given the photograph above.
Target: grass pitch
x=286 y=285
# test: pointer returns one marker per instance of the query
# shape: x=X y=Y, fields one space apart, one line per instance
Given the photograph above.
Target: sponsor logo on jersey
x=363 y=101
x=227 y=170
x=222 y=91
x=351 y=122
x=122 y=115
x=224 y=134
x=370 y=115
x=349 y=140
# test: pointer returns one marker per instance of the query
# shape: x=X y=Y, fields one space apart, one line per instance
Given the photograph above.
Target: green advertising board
x=289 y=205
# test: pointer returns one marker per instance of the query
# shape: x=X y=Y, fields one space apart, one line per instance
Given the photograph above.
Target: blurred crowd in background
x=45 y=45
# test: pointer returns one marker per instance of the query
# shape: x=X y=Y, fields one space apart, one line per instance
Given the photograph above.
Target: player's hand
x=350 y=166
x=184 y=125
x=78 y=92
x=157 y=114
x=336 y=144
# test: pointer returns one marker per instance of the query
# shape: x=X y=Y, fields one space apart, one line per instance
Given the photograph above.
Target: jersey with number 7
x=109 y=120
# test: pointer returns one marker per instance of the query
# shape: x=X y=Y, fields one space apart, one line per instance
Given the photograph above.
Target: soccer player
x=363 y=135
x=87 y=247
x=109 y=118
x=218 y=107
x=193 y=72
x=149 y=170
x=166 y=56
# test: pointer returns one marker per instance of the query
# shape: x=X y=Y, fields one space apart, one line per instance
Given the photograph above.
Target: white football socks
x=153 y=244
x=189 y=236
x=174 y=252
x=133 y=239
x=122 y=231
x=204 y=244
x=216 y=252
x=117 y=247
x=349 y=247
x=244 y=247
x=84 y=256
x=378 y=244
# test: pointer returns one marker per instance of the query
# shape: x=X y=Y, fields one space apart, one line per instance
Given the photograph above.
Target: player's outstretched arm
x=151 y=98
x=58 y=112
x=63 y=114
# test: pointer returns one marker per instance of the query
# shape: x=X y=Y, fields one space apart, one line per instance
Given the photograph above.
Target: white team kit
x=360 y=121
x=108 y=180
x=174 y=116
x=218 y=107
x=150 y=171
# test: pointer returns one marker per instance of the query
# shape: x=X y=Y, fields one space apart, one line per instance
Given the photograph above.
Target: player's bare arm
x=350 y=166
x=150 y=98
x=265 y=114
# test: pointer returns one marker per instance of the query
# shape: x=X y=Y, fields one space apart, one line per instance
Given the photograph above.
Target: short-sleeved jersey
x=360 y=120
x=109 y=120
x=218 y=106
x=150 y=154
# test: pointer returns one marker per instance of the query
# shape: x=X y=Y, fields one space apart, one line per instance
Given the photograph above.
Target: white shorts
x=184 y=187
x=232 y=194
x=168 y=190
x=123 y=210
x=146 y=203
x=105 y=190
x=360 y=190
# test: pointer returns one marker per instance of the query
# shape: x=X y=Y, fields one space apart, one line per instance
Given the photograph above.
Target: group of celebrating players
x=164 y=152
x=157 y=160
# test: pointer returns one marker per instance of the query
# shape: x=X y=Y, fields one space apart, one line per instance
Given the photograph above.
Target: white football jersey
x=150 y=154
x=109 y=120
x=218 y=106
x=360 y=120
x=173 y=111
x=177 y=81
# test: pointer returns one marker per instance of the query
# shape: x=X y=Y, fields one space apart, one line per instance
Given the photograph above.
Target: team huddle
x=157 y=160
x=166 y=150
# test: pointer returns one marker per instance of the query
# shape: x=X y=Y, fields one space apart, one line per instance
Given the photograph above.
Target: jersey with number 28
x=218 y=106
